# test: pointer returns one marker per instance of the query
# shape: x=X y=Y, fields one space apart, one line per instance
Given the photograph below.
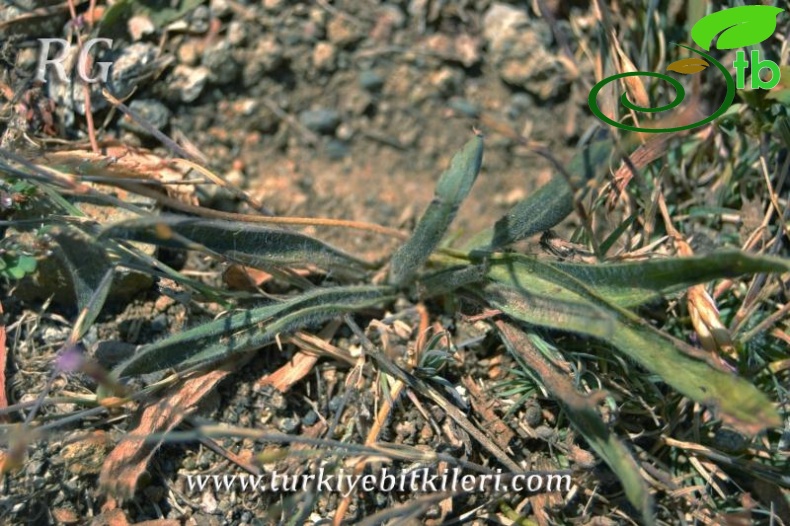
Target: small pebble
x=371 y=81
x=140 y=26
x=325 y=56
x=152 y=111
x=288 y=424
x=187 y=83
x=236 y=33
x=321 y=120
x=337 y=149
x=220 y=62
x=310 y=418
x=533 y=413
x=220 y=8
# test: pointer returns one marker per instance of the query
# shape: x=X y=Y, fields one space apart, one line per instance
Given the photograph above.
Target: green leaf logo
x=739 y=27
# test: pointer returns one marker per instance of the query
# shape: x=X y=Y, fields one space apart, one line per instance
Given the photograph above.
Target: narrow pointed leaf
x=453 y=187
x=582 y=413
x=632 y=284
x=253 y=245
x=607 y=243
x=547 y=206
x=248 y=330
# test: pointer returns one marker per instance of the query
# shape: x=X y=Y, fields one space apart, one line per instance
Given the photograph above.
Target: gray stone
x=200 y=19
x=132 y=63
x=371 y=81
x=220 y=62
x=337 y=149
x=310 y=418
x=152 y=111
x=288 y=424
x=320 y=121
x=265 y=58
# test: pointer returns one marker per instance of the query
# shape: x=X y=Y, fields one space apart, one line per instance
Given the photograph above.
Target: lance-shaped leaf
x=248 y=330
x=686 y=369
x=253 y=245
x=738 y=27
x=86 y=263
x=582 y=413
x=547 y=206
x=632 y=284
x=453 y=187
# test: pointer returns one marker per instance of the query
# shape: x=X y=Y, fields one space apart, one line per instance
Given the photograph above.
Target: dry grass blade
x=484 y=406
x=251 y=218
x=705 y=318
x=301 y=363
x=395 y=390
x=298 y=366
x=452 y=411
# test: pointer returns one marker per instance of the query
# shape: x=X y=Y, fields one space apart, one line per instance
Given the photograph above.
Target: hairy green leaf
x=450 y=279
x=250 y=329
x=686 y=369
x=632 y=284
x=253 y=245
x=453 y=187
x=547 y=206
x=94 y=306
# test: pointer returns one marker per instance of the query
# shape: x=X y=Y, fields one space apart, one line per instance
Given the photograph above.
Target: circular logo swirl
x=680 y=94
